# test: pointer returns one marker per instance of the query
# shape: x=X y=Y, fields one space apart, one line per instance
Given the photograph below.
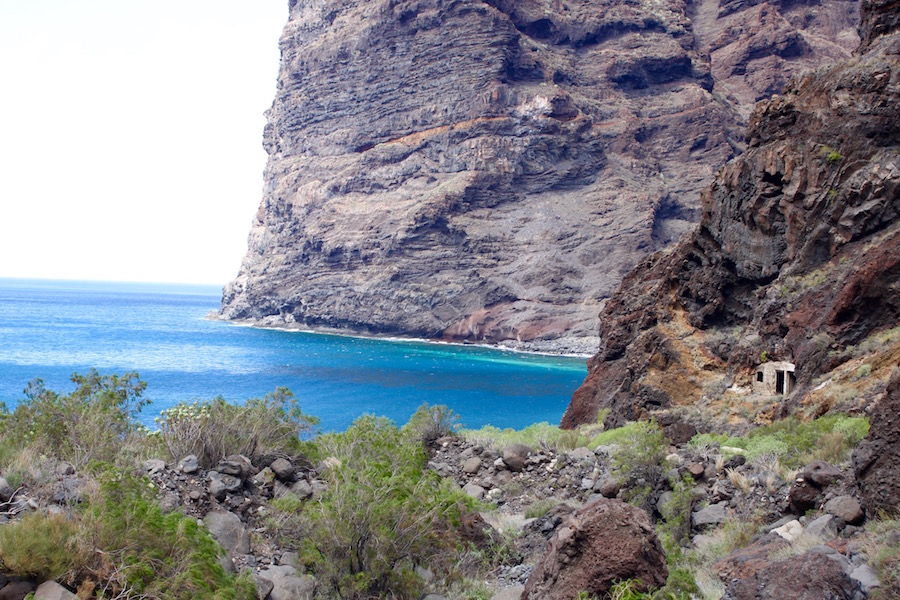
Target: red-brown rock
x=876 y=461
x=603 y=542
x=797 y=252
x=806 y=577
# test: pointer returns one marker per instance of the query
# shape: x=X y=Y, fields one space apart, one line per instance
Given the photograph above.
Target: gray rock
x=474 y=490
x=189 y=464
x=846 y=508
x=510 y=593
x=264 y=587
x=235 y=465
x=319 y=487
x=515 y=455
x=50 y=590
x=230 y=482
x=866 y=577
x=302 y=489
x=217 y=489
x=441 y=468
x=287 y=583
x=6 y=490
x=153 y=466
x=714 y=514
x=472 y=465
x=587 y=483
x=434 y=597
x=292 y=559
x=834 y=555
x=264 y=478
x=228 y=530
x=169 y=501
x=581 y=454
x=283 y=469
x=608 y=487
x=823 y=526
x=664 y=499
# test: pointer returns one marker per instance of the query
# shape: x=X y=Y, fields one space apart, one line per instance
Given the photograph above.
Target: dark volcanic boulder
x=603 y=542
x=806 y=577
x=876 y=461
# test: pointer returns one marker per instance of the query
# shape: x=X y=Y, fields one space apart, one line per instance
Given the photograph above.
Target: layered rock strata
x=489 y=170
x=796 y=258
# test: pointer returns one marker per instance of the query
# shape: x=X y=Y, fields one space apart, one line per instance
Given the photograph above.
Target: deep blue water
x=51 y=329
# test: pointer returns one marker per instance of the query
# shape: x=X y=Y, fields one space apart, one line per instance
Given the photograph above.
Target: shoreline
x=568 y=352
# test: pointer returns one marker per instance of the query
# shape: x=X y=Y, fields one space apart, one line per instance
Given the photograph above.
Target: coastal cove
x=51 y=329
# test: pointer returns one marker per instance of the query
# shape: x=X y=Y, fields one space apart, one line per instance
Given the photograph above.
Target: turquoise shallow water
x=50 y=329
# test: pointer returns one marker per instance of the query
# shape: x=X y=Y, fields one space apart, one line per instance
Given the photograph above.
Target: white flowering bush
x=211 y=430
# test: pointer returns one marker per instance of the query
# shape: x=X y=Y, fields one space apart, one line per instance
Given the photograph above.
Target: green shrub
x=639 y=463
x=43 y=546
x=795 y=442
x=147 y=553
x=540 y=508
x=429 y=423
x=382 y=513
x=92 y=423
x=215 y=429
x=675 y=528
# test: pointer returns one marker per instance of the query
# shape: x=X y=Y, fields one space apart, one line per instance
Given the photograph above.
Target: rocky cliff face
x=488 y=170
x=796 y=258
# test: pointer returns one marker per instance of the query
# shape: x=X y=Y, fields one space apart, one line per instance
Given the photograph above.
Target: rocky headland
x=795 y=262
x=490 y=170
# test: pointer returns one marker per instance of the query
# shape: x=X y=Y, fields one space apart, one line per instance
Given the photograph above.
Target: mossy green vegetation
x=795 y=442
x=544 y=435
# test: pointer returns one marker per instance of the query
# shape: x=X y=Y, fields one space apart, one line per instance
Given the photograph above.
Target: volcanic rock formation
x=796 y=258
x=490 y=169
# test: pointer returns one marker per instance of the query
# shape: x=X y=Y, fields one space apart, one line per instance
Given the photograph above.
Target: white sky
x=130 y=135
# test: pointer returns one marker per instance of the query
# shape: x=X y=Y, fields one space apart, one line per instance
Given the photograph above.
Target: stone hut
x=775 y=378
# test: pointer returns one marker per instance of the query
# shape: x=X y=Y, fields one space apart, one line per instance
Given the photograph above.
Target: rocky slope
x=488 y=169
x=796 y=259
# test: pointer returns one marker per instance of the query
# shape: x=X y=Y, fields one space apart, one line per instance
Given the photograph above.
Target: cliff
x=796 y=259
x=489 y=170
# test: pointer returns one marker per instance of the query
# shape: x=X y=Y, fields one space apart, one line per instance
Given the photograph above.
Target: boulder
x=790 y=531
x=747 y=561
x=229 y=482
x=804 y=496
x=153 y=466
x=823 y=526
x=302 y=489
x=876 y=460
x=472 y=465
x=608 y=487
x=50 y=590
x=236 y=465
x=811 y=576
x=820 y=473
x=287 y=583
x=474 y=490
x=189 y=464
x=580 y=454
x=515 y=455
x=283 y=469
x=846 y=508
x=6 y=490
x=601 y=543
x=714 y=514
x=228 y=530
x=16 y=589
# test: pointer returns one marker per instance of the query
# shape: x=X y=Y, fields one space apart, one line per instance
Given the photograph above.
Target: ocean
x=52 y=329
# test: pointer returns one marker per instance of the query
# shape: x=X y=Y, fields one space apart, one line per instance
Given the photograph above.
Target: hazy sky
x=130 y=135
